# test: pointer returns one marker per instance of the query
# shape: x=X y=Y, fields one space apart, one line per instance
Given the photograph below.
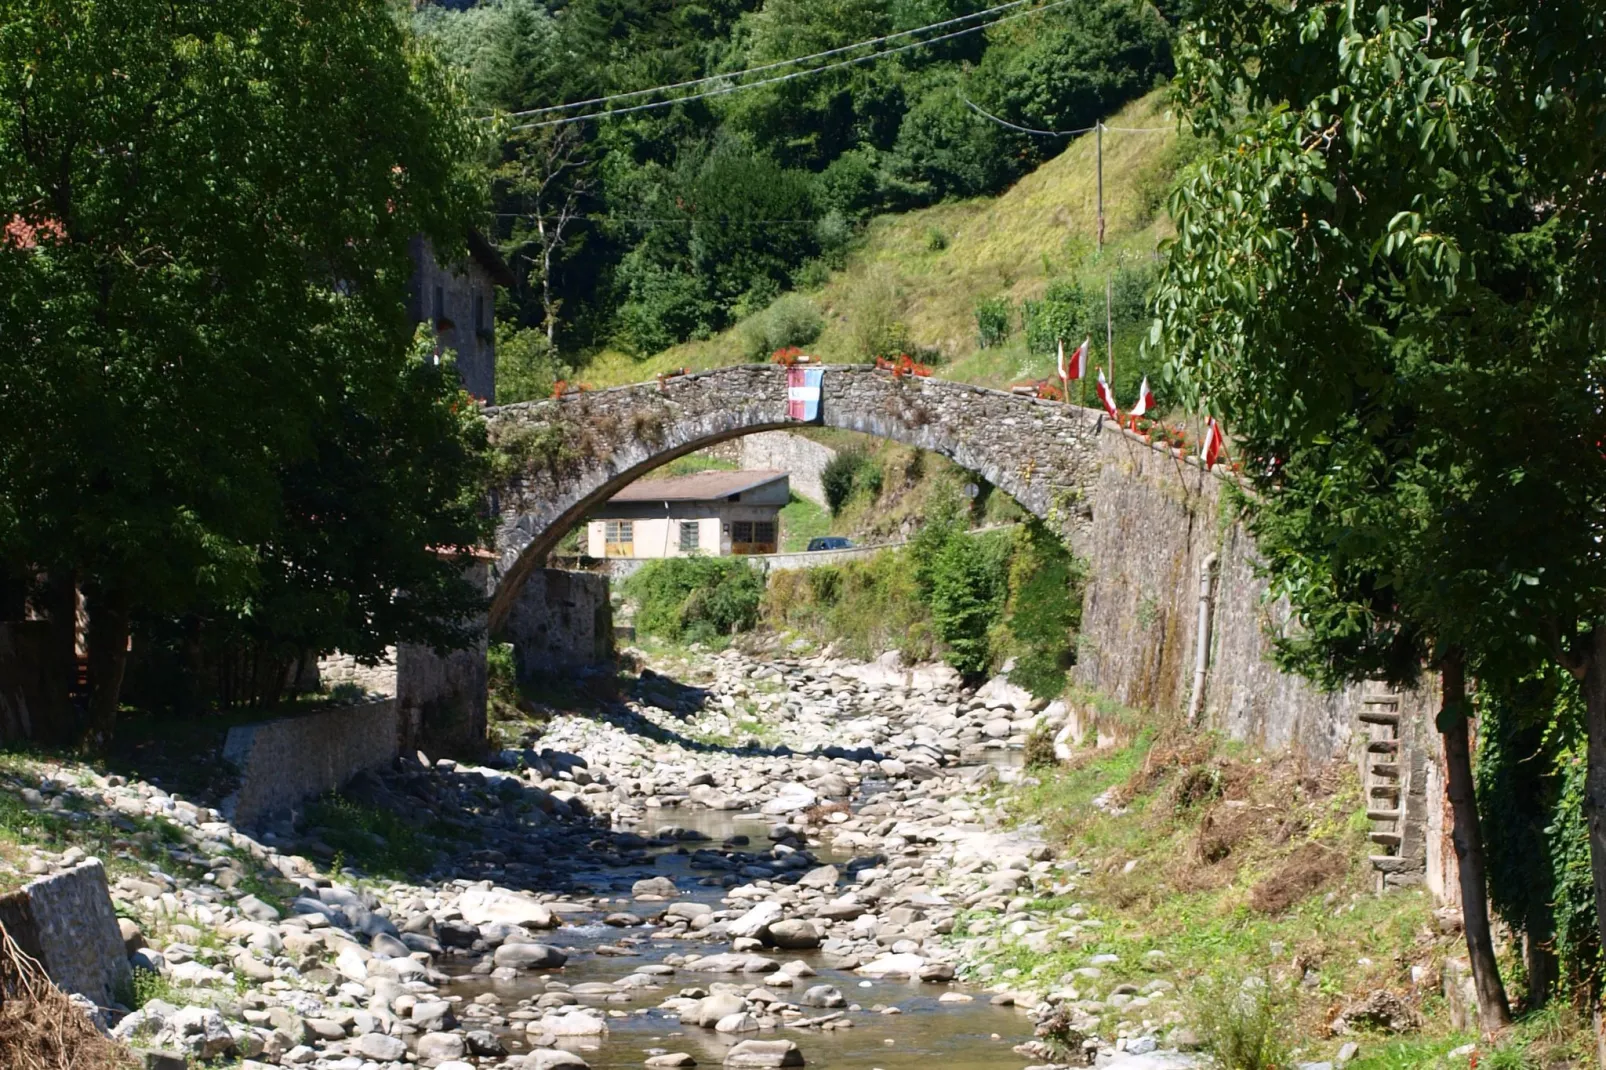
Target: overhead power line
x=765 y=67
x=565 y=120
x=1064 y=133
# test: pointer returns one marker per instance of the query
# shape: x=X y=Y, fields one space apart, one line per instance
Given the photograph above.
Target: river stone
x=764 y=1053
x=673 y=1060
x=794 y=935
x=386 y=946
x=905 y=965
x=824 y=996
x=687 y=910
x=663 y=887
x=820 y=877
x=437 y=1048
x=740 y=1022
x=755 y=921
x=554 y=1059
x=790 y=797
x=529 y=956
x=710 y=1010
x=381 y=1048
x=484 y=906
x=574 y=1024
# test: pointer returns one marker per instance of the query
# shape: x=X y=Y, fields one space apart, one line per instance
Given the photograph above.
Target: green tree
x=209 y=210
x=1383 y=282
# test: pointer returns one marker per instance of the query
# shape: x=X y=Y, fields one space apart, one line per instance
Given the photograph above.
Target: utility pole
x=1109 y=330
x=1098 y=135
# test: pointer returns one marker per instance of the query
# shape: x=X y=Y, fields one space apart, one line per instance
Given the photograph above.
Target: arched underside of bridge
x=577 y=451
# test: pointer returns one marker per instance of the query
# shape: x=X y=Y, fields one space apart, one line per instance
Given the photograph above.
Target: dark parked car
x=830 y=542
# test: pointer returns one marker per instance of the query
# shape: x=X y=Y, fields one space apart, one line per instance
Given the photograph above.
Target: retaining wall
x=67 y=922
x=285 y=762
x=801 y=458
x=561 y=621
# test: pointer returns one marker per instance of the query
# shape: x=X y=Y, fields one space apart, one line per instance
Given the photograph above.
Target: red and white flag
x=1211 y=449
x=1145 y=399
x=1077 y=368
x=1107 y=396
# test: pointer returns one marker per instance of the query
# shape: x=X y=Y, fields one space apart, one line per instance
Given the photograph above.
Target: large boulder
x=483 y=906
x=790 y=797
x=755 y=921
x=437 y=1048
x=529 y=956
x=763 y=1054
x=794 y=934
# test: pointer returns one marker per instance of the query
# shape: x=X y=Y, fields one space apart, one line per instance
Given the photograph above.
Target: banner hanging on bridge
x=803 y=393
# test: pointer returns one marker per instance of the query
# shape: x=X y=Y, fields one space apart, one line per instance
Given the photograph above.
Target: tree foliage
x=695 y=599
x=207 y=211
x=1385 y=280
x=695 y=214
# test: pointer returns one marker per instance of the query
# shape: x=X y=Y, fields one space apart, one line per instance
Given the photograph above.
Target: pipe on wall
x=1201 y=644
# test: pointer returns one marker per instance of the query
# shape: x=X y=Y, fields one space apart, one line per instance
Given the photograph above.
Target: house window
x=619 y=538
x=752 y=536
x=689 y=531
x=479 y=314
x=440 y=305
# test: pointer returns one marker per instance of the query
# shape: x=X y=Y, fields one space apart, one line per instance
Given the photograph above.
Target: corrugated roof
x=701 y=487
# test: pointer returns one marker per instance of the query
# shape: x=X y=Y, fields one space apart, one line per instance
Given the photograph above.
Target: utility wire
x=787 y=77
x=1063 y=133
x=765 y=67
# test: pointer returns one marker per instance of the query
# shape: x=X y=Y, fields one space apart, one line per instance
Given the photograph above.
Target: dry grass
x=41 y=1029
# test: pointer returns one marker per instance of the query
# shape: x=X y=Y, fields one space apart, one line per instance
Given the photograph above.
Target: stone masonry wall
x=802 y=458
x=582 y=448
x=1155 y=520
x=285 y=762
x=561 y=621
x=67 y=922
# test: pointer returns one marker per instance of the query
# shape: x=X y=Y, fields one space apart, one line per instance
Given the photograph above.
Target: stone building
x=710 y=513
x=460 y=300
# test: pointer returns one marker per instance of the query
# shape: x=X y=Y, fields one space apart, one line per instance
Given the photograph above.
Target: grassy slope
x=1042 y=228
x=1205 y=830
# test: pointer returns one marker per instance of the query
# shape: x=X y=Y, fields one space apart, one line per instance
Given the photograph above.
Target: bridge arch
x=573 y=453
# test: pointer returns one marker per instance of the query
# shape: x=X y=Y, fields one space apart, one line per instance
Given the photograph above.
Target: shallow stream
x=922 y=1032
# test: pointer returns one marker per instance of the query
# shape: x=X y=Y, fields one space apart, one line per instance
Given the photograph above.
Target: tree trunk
x=1494 y=1013
x=1593 y=679
x=59 y=598
x=108 y=657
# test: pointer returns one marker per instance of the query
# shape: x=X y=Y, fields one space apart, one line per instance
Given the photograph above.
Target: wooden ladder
x=1382 y=781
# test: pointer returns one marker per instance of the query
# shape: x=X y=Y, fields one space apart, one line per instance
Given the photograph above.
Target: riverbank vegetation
x=1243 y=879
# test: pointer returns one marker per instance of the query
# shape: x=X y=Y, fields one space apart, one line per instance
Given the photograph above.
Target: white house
x=713 y=513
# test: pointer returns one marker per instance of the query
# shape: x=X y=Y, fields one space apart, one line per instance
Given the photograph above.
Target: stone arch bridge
x=574 y=452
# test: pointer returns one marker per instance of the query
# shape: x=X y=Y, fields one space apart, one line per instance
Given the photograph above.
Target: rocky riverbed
x=756 y=861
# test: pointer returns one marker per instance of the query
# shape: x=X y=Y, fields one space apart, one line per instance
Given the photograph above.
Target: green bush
x=994 y=319
x=526 y=365
x=863 y=607
x=1240 y=1023
x=969 y=578
x=1044 y=610
x=791 y=320
x=850 y=472
x=695 y=599
x=1066 y=313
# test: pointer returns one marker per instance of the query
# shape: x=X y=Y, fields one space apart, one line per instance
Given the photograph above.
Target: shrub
x=1044 y=611
x=792 y=320
x=994 y=318
x=695 y=599
x=850 y=472
x=1040 y=748
x=526 y=365
x=968 y=584
x=863 y=606
x=1240 y=1023
x=936 y=240
x=1066 y=312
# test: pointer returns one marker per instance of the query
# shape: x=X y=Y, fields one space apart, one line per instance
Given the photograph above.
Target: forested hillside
x=639 y=231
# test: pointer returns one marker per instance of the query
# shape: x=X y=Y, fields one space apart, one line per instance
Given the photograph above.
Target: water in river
x=922 y=1034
